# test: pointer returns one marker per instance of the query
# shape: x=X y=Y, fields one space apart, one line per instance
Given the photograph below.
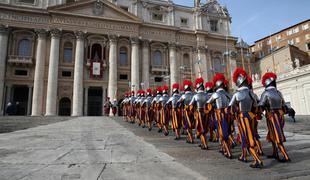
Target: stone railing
x=88 y=61
x=159 y=68
x=20 y=60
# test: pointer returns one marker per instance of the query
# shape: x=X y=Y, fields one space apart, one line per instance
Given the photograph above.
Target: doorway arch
x=64 y=107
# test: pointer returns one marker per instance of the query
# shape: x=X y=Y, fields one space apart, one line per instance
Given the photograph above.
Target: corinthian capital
x=4 y=29
x=80 y=35
x=55 y=33
x=113 y=38
x=41 y=33
x=135 y=40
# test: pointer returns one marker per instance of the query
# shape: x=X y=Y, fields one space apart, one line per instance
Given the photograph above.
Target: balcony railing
x=156 y=68
x=104 y=65
x=20 y=60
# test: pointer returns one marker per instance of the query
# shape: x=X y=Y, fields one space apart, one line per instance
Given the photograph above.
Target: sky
x=255 y=19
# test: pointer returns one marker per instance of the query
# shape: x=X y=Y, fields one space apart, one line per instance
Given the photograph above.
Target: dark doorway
x=20 y=98
x=64 y=107
x=94 y=102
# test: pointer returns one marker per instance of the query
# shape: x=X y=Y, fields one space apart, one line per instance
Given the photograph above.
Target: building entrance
x=94 y=101
x=20 y=98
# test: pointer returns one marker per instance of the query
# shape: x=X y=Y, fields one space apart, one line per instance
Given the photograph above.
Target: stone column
x=135 y=66
x=8 y=94
x=146 y=64
x=4 y=34
x=112 y=85
x=202 y=64
x=52 y=85
x=29 y=104
x=77 y=109
x=37 y=98
x=174 y=74
x=86 y=101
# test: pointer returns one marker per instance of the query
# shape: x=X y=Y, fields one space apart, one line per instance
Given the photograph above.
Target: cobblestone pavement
x=110 y=148
x=88 y=148
x=213 y=165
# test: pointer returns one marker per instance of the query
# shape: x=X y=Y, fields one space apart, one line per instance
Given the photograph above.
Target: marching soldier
x=164 y=111
x=211 y=116
x=137 y=107
x=219 y=101
x=132 y=107
x=199 y=100
x=273 y=104
x=141 y=109
x=176 y=113
x=147 y=107
x=107 y=106
x=156 y=107
x=243 y=104
x=114 y=107
x=183 y=103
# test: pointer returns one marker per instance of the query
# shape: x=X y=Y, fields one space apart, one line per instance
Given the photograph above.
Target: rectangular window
x=157 y=17
x=26 y=1
x=158 y=79
x=269 y=42
x=297 y=40
x=305 y=26
x=68 y=55
x=213 y=25
x=290 y=42
x=278 y=38
x=307 y=36
x=66 y=73
x=20 y=72
x=123 y=77
x=296 y=30
x=290 y=32
x=124 y=8
x=184 y=21
x=308 y=46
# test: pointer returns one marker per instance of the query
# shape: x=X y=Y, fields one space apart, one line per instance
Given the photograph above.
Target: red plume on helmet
x=142 y=92
x=132 y=92
x=165 y=88
x=209 y=85
x=187 y=83
x=149 y=91
x=268 y=75
x=198 y=81
x=250 y=80
x=238 y=72
x=219 y=77
x=175 y=86
x=159 y=89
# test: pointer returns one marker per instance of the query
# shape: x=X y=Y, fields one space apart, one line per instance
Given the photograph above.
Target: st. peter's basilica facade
x=64 y=57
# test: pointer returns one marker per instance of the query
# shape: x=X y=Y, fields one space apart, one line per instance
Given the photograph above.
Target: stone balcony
x=155 y=68
x=20 y=60
x=88 y=61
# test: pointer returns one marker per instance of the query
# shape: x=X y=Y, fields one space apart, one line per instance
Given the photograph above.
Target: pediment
x=95 y=8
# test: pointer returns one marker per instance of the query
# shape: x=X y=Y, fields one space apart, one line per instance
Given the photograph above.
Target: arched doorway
x=64 y=107
x=20 y=99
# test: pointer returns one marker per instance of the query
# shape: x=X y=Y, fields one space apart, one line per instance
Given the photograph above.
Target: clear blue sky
x=255 y=19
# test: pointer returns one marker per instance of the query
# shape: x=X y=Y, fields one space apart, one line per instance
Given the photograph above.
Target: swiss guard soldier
x=132 y=107
x=257 y=118
x=156 y=107
x=114 y=107
x=165 y=114
x=107 y=106
x=219 y=102
x=273 y=104
x=176 y=113
x=123 y=104
x=243 y=104
x=137 y=107
x=142 y=110
x=211 y=116
x=183 y=103
x=147 y=107
x=199 y=100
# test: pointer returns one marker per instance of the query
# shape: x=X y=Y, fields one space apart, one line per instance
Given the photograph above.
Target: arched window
x=24 y=47
x=68 y=52
x=186 y=61
x=96 y=53
x=217 y=64
x=123 y=56
x=157 y=58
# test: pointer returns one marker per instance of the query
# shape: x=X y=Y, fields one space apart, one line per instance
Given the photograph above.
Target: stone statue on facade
x=197 y=3
x=297 y=63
